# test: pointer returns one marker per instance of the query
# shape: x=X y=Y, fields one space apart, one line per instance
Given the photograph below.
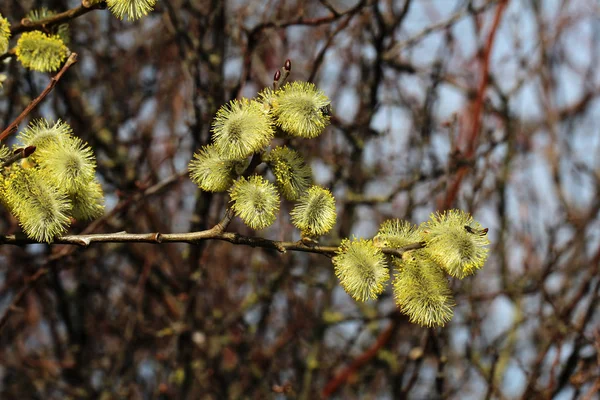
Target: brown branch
x=13 y=126
x=471 y=140
x=20 y=295
x=307 y=21
x=334 y=384
x=215 y=233
x=27 y=25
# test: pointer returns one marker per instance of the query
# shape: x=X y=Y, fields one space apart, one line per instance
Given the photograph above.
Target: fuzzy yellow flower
x=132 y=9
x=361 y=269
x=41 y=133
x=241 y=128
x=41 y=52
x=255 y=201
x=87 y=201
x=456 y=242
x=42 y=209
x=61 y=30
x=4 y=34
x=292 y=175
x=4 y=152
x=69 y=163
x=397 y=233
x=211 y=171
x=300 y=109
x=421 y=291
x=315 y=212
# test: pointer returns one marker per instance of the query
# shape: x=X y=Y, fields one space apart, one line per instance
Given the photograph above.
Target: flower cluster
x=420 y=258
x=242 y=131
x=450 y=243
x=54 y=183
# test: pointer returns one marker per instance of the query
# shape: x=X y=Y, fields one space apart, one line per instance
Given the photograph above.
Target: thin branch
x=334 y=384
x=27 y=25
x=300 y=20
x=473 y=134
x=214 y=233
x=395 y=52
x=20 y=295
x=13 y=126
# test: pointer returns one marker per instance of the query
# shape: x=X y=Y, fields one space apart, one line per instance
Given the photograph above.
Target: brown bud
x=277 y=75
x=28 y=151
x=288 y=65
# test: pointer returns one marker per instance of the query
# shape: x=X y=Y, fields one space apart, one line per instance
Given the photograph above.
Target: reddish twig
x=333 y=385
x=13 y=126
x=29 y=282
x=472 y=135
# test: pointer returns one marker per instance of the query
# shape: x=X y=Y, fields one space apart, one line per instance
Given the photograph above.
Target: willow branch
x=27 y=25
x=194 y=238
x=13 y=126
x=214 y=233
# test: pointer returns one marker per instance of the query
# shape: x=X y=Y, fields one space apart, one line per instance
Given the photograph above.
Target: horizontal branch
x=27 y=24
x=193 y=238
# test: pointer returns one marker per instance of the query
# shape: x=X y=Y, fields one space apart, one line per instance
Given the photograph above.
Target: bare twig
x=13 y=126
x=214 y=233
x=471 y=139
x=27 y=25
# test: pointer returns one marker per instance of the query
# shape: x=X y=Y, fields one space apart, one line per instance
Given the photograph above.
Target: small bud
x=288 y=65
x=277 y=75
x=28 y=151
